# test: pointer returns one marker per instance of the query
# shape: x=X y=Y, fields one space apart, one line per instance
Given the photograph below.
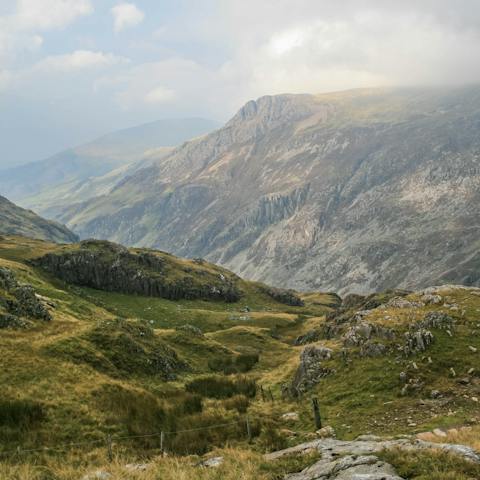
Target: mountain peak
x=274 y=108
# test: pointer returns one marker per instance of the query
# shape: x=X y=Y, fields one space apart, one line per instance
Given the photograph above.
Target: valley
x=177 y=351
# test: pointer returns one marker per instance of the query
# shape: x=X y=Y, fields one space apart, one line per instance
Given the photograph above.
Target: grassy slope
x=15 y=220
x=83 y=403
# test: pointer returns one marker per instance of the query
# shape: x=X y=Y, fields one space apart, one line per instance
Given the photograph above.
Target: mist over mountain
x=353 y=191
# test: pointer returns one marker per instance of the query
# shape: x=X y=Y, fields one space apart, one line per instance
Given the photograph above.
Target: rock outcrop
x=311 y=369
x=108 y=266
x=19 y=303
x=357 y=459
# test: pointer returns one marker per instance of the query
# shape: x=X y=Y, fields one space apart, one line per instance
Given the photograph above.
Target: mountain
x=357 y=191
x=111 y=355
x=77 y=174
x=15 y=220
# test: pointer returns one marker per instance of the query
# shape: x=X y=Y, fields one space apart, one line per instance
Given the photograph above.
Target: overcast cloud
x=73 y=69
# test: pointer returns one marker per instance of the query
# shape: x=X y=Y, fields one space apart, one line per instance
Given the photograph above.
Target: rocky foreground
x=357 y=459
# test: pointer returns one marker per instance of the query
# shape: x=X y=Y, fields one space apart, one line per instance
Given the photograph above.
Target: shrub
x=192 y=403
x=219 y=387
x=21 y=414
x=239 y=403
x=138 y=411
x=234 y=364
x=197 y=434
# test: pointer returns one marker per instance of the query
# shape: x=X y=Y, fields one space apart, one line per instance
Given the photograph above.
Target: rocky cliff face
x=15 y=220
x=107 y=266
x=355 y=191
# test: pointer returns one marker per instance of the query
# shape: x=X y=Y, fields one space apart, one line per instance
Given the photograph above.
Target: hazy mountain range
x=91 y=169
x=15 y=220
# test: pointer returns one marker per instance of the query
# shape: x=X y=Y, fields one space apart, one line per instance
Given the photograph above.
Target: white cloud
x=126 y=15
x=49 y=14
x=160 y=94
x=79 y=60
x=19 y=30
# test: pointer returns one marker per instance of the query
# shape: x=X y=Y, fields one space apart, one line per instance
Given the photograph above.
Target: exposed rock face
x=360 y=191
x=358 y=335
x=438 y=320
x=107 y=266
x=309 y=337
x=288 y=297
x=417 y=341
x=18 y=221
x=311 y=370
x=18 y=302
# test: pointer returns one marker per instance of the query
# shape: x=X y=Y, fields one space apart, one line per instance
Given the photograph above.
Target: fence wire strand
x=19 y=450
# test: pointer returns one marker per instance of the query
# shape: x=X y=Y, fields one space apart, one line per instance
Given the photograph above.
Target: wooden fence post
x=316 y=414
x=249 y=431
x=262 y=392
x=109 y=448
x=162 y=442
x=271 y=394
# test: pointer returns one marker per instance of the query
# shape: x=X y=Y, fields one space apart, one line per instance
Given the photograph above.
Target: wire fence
x=109 y=440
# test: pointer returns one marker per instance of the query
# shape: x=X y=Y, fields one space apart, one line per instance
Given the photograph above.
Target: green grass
x=94 y=370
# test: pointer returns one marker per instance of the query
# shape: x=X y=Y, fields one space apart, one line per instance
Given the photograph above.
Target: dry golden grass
x=239 y=464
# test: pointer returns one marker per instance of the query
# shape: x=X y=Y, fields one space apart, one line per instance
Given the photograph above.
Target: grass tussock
x=429 y=464
x=241 y=363
x=220 y=387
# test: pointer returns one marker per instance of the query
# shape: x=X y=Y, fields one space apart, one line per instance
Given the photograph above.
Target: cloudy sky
x=71 y=70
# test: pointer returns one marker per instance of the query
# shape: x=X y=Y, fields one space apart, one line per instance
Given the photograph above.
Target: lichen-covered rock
x=12 y=321
x=27 y=304
x=417 y=341
x=400 y=302
x=373 y=349
x=357 y=459
x=357 y=335
x=7 y=279
x=311 y=369
x=438 y=320
x=430 y=299
x=287 y=297
x=309 y=337
x=19 y=303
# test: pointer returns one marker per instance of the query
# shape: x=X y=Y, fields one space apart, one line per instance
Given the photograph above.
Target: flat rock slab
x=355 y=460
x=350 y=467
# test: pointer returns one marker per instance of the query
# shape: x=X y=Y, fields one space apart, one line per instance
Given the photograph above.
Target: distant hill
x=15 y=220
x=72 y=173
x=356 y=191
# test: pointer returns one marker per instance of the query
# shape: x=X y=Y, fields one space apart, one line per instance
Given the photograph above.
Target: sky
x=71 y=70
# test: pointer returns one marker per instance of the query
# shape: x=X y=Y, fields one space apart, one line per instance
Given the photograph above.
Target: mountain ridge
x=43 y=184
x=15 y=220
x=352 y=191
